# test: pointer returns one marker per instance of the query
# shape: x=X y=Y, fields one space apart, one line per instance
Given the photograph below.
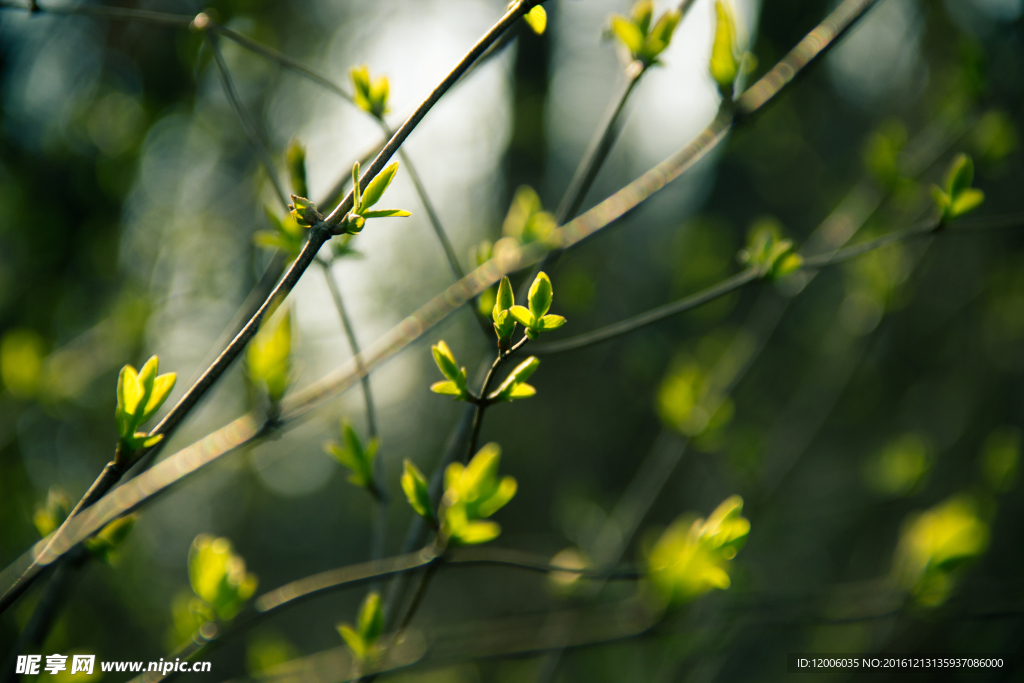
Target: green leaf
x=447 y=365
x=540 y=295
x=960 y=175
x=521 y=373
x=129 y=395
x=414 y=484
x=371 y=618
x=663 y=30
x=641 y=15
x=162 y=387
x=505 y=492
x=268 y=358
x=354 y=641
x=295 y=158
x=474 y=533
x=551 y=322
x=218 y=575
x=942 y=200
x=360 y=76
x=447 y=388
x=537 y=18
x=967 y=200
x=505 y=298
x=110 y=538
x=723 y=65
x=357 y=192
x=375 y=190
x=523 y=316
x=521 y=391
x=629 y=33
x=386 y=213
x=352 y=455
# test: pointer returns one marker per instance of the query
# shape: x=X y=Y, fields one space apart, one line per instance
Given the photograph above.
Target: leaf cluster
x=957 y=197
x=351 y=453
x=472 y=493
x=370 y=95
x=218 y=576
x=766 y=251
x=643 y=40
x=363 y=636
x=139 y=395
x=692 y=556
x=935 y=544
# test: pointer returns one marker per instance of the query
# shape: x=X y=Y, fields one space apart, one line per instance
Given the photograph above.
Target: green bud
x=417 y=492
x=540 y=295
x=723 y=65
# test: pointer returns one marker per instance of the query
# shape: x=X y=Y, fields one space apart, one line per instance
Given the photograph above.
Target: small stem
x=593 y=158
x=248 y=124
x=482 y=402
x=377 y=486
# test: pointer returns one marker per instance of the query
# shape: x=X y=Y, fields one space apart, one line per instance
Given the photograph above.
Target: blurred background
x=838 y=407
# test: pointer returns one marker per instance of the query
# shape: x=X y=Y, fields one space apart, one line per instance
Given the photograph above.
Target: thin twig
x=378 y=486
x=118 y=13
x=250 y=127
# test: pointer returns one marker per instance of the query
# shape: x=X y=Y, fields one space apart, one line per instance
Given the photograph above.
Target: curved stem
x=379 y=488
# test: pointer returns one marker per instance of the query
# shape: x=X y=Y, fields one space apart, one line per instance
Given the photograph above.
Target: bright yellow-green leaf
x=537 y=18
x=723 y=63
x=414 y=484
x=269 y=355
x=540 y=295
x=934 y=544
x=218 y=575
x=522 y=315
x=629 y=33
x=375 y=190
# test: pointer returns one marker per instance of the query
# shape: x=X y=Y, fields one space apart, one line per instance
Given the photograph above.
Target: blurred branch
x=379 y=489
x=250 y=127
x=117 y=13
x=302 y=590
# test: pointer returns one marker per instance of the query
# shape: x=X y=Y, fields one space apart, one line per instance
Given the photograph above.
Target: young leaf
x=540 y=295
x=386 y=213
x=551 y=322
x=295 y=158
x=474 y=533
x=304 y=212
x=537 y=18
x=375 y=190
x=354 y=641
x=371 y=618
x=505 y=298
x=723 y=64
x=447 y=365
x=960 y=175
x=522 y=315
x=414 y=484
x=513 y=388
x=357 y=192
x=641 y=15
x=629 y=33
x=447 y=388
x=269 y=356
x=967 y=200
